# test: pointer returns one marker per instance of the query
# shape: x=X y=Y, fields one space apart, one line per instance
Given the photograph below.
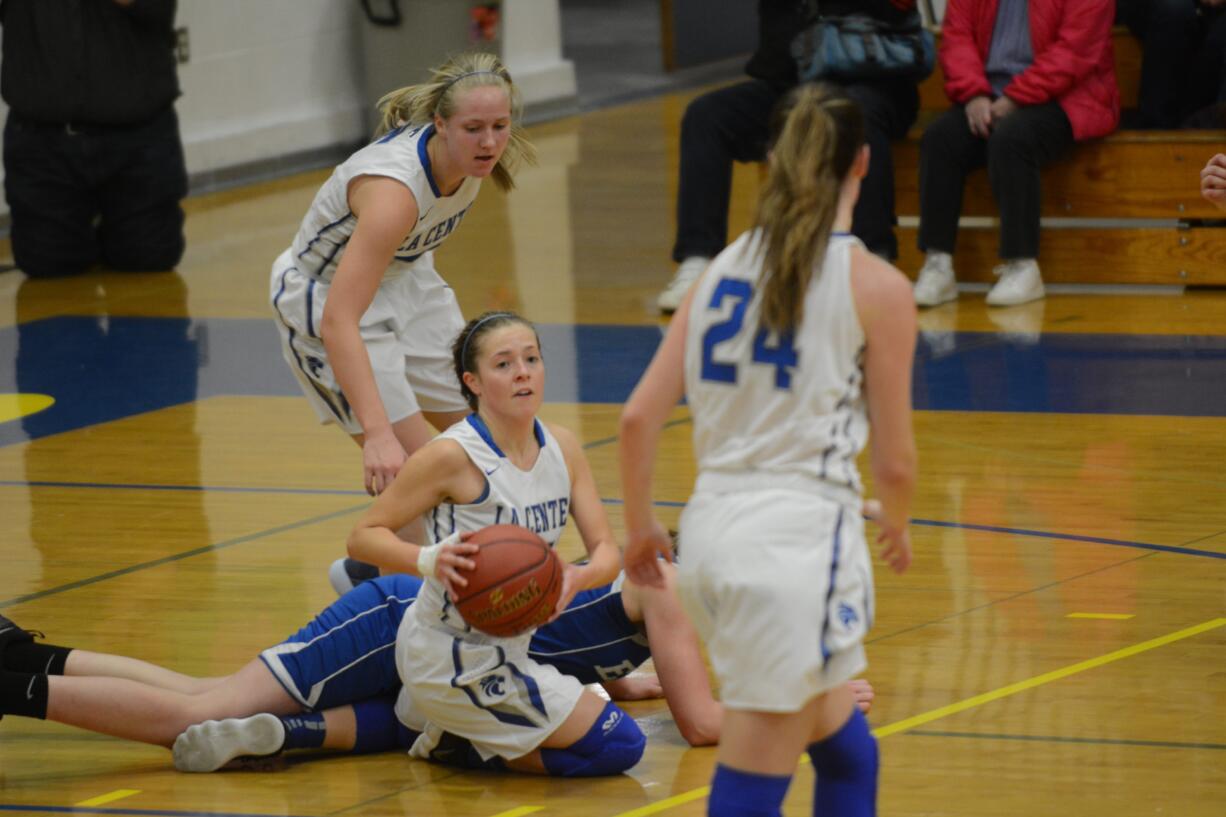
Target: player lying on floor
x=604 y=635
x=333 y=683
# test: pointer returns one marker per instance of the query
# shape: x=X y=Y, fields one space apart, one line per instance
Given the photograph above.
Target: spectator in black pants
x=730 y=124
x=1183 y=68
x=93 y=165
x=1028 y=78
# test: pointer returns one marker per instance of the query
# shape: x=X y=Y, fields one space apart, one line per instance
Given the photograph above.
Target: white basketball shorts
x=408 y=331
x=779 y=584
x=488 y=691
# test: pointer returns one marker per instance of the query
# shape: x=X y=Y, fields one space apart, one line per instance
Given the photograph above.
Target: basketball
x=515 y=585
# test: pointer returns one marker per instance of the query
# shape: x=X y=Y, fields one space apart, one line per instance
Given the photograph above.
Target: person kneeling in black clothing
x=93 y=164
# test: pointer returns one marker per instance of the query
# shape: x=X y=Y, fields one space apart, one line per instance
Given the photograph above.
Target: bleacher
x=1121 y=210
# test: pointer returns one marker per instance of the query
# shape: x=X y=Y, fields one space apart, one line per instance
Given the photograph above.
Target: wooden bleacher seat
x=1121 y=210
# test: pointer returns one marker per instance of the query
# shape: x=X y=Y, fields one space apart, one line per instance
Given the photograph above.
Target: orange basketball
x=515 y=585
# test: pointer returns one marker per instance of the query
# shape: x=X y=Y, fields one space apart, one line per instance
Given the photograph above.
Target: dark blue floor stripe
x=63 y=588
x=1071 y=537
x=935 y=523
x=1156 y=744
x=211 y=489
x=151 y=812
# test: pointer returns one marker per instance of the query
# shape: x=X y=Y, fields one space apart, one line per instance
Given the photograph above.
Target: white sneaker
x=935 y=283
x=346 y=574
x=206 y=747
x=1019 y=283
x=687 y=273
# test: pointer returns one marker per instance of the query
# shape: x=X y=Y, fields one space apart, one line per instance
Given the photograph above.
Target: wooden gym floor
x=1058 y=646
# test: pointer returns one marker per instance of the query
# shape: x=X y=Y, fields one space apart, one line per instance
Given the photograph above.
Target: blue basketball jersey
x=592 y=640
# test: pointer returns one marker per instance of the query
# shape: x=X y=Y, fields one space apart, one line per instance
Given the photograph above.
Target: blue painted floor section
x=105 y=368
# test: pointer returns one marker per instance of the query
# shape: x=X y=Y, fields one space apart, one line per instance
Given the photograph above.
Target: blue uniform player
x=340 y=666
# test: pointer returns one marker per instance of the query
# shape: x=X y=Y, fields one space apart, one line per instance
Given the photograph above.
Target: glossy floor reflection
x=1057 y=646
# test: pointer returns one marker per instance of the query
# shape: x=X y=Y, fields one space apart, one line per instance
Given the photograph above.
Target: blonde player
x=792 y=343
x=366 y=322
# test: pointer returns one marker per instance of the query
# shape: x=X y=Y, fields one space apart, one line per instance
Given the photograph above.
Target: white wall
x=271 y=78
x=267 y=77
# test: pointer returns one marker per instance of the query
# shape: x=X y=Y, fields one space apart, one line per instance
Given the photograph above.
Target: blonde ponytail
x=417 y=104
x=816 y=131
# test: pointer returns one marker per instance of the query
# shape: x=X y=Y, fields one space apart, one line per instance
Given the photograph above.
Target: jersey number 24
x=782 y=355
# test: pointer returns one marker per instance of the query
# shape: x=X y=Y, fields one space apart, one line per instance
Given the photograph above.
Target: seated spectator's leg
x=721 y=127
x=889 y=110
x=1020 y=144
x=948 y=151
x=1168 y=31
x=51 y=207
x=142 y=221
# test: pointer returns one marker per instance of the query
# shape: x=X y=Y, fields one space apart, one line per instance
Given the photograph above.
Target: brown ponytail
x=816 y=132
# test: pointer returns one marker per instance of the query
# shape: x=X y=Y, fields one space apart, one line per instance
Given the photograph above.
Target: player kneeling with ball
x=499 y=466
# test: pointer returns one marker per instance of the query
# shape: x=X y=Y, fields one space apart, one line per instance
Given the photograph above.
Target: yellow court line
x=1047 y=677
x=519 y=812
x=109 y=797
x=970 y=703
x=1107 y=616
x=667 y=803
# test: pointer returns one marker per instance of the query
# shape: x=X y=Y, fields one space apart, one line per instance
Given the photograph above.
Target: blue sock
x=377 y=728
x=735 y=793
x=305 y=731
x=846 y=768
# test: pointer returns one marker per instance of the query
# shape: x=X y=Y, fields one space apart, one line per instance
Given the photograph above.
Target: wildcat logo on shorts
x=610 y=722
x=492 y=686
x=847 y=616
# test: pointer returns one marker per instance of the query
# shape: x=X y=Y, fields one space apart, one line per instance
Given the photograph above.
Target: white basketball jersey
x=400 y=154
x=791 y=406
x=538 y=500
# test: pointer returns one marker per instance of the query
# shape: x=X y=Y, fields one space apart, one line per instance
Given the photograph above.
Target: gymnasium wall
x=271 y=84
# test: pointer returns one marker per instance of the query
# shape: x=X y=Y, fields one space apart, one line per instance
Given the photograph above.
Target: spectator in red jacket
x=1028 y=78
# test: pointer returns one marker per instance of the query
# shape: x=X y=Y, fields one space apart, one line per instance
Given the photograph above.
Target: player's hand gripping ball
x=515 y=585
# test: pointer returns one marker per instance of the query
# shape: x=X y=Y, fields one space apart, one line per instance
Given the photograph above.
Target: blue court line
x=212 y=489
x=1156 y=744
x=1071 y=537
x=934 y=523
x=152 y=812
x=63 y=588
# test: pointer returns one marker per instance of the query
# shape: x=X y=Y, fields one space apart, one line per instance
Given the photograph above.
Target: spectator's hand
x=1002 y=106
x=1213 y=180
x=979 y=116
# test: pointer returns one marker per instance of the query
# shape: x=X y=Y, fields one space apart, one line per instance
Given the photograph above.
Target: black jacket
x=89 y=62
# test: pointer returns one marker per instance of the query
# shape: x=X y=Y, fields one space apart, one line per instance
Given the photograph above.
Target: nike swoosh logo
x=6 y=629
x=492 y=470
x=30 y=688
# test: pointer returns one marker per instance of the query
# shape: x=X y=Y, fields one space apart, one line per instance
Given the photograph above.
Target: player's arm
x=386 y=212
x=886 y=308
x=678 y=660
x=436 y=472
x=604 y=557
x=657 y=393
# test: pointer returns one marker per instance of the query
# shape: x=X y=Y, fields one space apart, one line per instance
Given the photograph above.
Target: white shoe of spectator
x=935 y=283
x=1019 y=283
x=687 y=273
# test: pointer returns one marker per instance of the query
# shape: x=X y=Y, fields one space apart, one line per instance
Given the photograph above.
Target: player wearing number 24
x=789 y=346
